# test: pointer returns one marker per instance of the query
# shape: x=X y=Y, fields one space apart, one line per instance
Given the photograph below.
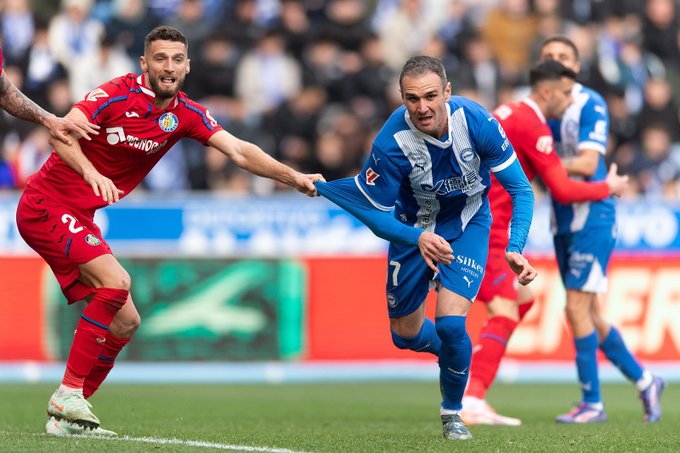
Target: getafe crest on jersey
x=92 y=240
x=168 y=122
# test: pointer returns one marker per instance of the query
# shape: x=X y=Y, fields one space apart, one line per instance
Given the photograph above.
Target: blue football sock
x=454 y=359
x=426 y=340
x=618 y=354
x=586 y=365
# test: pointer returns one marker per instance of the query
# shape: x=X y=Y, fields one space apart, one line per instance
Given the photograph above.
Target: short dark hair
x=421 y=64
x=549 y=70
x=564 y=40
x=164 y=33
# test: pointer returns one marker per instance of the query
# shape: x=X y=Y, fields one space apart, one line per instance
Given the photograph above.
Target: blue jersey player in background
x=584 y=237
x=424 y=188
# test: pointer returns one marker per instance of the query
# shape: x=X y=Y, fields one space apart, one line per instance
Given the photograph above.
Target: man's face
x=165 y=65
x=425 y=99
x=559 y=97
x=562 y=53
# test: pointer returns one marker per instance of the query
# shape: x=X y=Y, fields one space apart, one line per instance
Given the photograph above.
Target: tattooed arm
x=17 y=104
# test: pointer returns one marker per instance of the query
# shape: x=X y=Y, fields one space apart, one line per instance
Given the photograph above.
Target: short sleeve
x=96 y=101
x=594 y=126
x=202 y=125
x=492 y=142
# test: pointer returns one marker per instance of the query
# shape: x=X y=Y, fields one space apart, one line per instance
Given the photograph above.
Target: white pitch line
x=174 y=441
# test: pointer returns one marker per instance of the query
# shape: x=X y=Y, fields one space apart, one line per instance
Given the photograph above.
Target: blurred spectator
x=372 y=81
x=479 y=75
x=39 y=67
x=306 y=78
x=623 y=127
x=73 y=33
x=267 y=76
x=322 y=67
x=510 y=30
x=293 y=126
x=243 y=23
x=31 y=154
x=653 y=166
x=109 y=62
x=295 y=27
x=192 y=22
x=17 y=25
x=213 y=67
x=404 y=33
x=130 y=23
x=345 y=23
x=660 y=108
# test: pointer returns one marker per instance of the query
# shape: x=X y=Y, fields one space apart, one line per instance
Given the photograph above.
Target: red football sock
x=91 y=334
x=104 y=363
x=487 y=354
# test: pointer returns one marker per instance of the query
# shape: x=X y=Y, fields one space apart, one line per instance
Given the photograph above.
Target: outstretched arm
x=346 y=194
x=17 y=104
x=72 y=154
x=252 y=158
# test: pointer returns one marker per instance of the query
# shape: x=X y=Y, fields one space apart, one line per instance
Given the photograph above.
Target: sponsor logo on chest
x=116 y=135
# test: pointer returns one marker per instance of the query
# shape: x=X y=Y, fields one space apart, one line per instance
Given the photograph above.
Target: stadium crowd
x=311 y=81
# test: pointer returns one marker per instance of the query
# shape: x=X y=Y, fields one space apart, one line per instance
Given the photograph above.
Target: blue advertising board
x=294 y=225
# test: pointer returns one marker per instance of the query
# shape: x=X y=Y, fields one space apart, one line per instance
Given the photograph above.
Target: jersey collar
x=429 y=138
x=531 y=103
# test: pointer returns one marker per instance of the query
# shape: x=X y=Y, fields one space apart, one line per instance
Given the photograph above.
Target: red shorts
x=499 y=280
x=64 y=237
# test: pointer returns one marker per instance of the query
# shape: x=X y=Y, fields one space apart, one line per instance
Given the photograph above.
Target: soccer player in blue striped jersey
x=424 y=188
x=584 y=237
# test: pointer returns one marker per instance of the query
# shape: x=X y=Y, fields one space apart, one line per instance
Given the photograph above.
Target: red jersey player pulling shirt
x=528 y=131
x=135 y=135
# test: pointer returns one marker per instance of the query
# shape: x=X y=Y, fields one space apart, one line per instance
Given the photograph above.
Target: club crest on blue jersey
x=168 y=122
x=92 y=240
x=467 y=155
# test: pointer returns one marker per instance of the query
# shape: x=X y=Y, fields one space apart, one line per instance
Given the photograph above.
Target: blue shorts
x=409 y=279
x=583 y=257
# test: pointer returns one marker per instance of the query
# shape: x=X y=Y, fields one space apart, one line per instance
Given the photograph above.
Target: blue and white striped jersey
x=437 y=185
x=585 y=125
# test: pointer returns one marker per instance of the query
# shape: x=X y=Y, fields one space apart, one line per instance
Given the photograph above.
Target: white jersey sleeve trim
x=373 y=202
x=505 y=164
x=593 y=145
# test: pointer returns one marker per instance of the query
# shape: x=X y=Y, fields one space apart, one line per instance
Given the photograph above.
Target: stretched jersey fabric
x=134 y=135
x=441 y=185
x=584 y=125
x=528 y=131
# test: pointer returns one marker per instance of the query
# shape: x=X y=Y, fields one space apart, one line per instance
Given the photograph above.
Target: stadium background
x=245 y=281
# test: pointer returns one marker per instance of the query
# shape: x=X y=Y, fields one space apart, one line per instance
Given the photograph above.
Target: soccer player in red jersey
x=525 y=125
x=14 y=102
x=141 y=117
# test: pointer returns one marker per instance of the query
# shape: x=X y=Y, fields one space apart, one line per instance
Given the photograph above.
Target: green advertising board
x=204 y=309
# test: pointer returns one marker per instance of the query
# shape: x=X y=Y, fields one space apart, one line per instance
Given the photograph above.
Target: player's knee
x=125 y=327
x=576 y=310
x=451 y=329
x=403 y=342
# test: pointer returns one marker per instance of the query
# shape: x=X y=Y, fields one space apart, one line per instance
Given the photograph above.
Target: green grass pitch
x=332 y=417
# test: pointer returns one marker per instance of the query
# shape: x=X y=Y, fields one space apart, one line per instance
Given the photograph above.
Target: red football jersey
x=532 y=139
x=134 y=135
